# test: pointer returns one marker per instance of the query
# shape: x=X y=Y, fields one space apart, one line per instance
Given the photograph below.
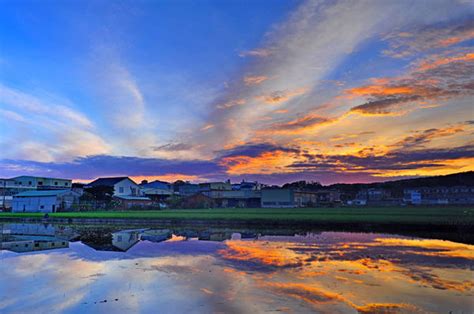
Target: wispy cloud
x=51 y=131
x=281 y=96
x=426 y=38
x=256 y=53
x=255 y=80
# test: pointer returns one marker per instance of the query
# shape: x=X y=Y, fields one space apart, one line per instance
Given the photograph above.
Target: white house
x=44 y=201
x=123 y=186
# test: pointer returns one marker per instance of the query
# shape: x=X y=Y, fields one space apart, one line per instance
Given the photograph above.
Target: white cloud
x=45 y=128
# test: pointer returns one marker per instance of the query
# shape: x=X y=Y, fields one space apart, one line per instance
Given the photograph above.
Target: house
x=42 y=182
x=78 y=187
x=235 y=198
x=278 y=198
x=375 y=197
x=157 y=184
x=289 y=197
x=187 y=189
x=198 y=201
x=13 y=186
x=157 y=194
x=122 y=185
x=412 y=196
x=457 y=195
x=44 y=201
x=327 y=197
x=215 y=186
x=246 y=185
x=128 y=201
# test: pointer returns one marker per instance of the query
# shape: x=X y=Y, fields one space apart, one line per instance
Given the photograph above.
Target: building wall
x=280 y=198
x=40 y=182
x=35 y=204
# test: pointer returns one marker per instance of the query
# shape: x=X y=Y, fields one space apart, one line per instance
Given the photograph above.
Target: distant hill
x=462 y=178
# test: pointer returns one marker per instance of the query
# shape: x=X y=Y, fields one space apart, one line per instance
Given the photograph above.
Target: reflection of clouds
x=267 y=253
x=441 y=247
x=327 y=272
x=369 y=262
x=318 y=297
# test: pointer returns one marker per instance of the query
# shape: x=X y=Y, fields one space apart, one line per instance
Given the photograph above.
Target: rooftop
x=111 y=181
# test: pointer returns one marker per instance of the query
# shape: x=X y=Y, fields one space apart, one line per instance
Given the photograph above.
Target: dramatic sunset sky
x=275 y=91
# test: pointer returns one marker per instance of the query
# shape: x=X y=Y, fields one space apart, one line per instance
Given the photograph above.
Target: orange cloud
x=439 y=61
x=380 y=90
x=304 y=124
x=281 y=96
x=169 y=177
x=254 y=80
x=265 y=163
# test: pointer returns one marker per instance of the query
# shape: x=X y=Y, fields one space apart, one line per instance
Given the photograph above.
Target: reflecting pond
x=52 y=269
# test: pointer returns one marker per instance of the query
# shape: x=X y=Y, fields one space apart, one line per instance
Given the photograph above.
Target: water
x=108 y=270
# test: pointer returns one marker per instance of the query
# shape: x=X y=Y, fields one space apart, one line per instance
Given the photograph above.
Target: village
x=49 y=195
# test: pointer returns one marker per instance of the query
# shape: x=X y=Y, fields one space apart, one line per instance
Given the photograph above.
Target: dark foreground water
x=226 y=271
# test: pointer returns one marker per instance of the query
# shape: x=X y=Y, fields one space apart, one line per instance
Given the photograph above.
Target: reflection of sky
x=328 y=272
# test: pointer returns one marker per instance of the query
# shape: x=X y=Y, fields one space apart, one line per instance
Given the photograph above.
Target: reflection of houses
x=18 y=237
x=129 y=201
x=156 y=235
x=457 y=195
x=20 y=245
x=125 y=239
x=44 y=201
x=121 y=185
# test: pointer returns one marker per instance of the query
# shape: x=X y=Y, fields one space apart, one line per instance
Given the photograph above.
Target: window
x=29 y=182
x=42 y=206
x=66 y=184
x=55 y=183
x=37 y=244
x=40 y=183
x=121 y=189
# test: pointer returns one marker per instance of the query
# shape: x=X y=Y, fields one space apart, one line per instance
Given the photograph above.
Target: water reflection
x=232 y=271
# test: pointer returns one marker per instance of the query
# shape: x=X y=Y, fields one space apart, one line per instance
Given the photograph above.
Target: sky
x=274 y=91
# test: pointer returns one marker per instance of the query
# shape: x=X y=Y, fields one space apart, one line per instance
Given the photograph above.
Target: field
x=446 y=215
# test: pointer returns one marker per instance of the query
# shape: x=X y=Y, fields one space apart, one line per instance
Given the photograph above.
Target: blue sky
x=318 y=90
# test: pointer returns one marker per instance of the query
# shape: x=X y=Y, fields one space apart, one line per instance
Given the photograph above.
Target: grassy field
x=398 y=215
